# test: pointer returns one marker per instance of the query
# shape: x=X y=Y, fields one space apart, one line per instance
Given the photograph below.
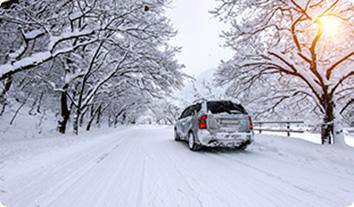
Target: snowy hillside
x=144 y=166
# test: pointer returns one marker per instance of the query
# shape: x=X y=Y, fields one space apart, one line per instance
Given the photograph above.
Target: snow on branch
x=36 y=59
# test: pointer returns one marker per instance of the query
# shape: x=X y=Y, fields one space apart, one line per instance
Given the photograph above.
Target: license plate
x=230 y=122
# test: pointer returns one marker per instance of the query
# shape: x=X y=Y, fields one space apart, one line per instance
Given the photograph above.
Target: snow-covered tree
x=296 y=51
x=88 y=55
x=164 y=111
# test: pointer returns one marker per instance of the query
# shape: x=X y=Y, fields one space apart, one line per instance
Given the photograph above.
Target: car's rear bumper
x=224 y=139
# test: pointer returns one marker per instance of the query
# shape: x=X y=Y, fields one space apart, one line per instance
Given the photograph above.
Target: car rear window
x=216 y=107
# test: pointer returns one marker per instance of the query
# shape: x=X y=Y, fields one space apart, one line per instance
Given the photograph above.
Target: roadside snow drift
x=142 y=166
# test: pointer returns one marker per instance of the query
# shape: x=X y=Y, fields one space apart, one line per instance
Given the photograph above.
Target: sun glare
x=330 y=26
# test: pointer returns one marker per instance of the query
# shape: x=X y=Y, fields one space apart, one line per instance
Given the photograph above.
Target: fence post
x=288 y=128
x=260 y=128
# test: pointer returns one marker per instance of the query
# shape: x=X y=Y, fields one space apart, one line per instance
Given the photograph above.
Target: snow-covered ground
x=312 y=137
x=143 y=166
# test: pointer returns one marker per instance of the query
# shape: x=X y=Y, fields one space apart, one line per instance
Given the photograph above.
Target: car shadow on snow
x=223 y=150
x=212 y=150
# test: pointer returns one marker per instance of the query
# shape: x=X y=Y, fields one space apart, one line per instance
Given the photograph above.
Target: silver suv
x=215 y=124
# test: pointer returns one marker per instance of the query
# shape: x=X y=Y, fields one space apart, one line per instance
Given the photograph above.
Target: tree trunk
x=18 y=109
x=82 y=117
x=116 y=120
x=3 y=100
x=77 y=114
x=93 y=115
x=109 y=119
x=40 y=103
x=76 y=121
x=65 y=113
x=327 y=128
x=99 y=114
x=82 y=90
x=116 y=117
x=124 y=117
x=36 y=105
x=88 y=127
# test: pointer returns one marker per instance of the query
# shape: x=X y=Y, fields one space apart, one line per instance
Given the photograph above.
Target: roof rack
x=204 y=99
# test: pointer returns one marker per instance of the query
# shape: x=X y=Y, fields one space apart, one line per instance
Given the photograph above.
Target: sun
x=330 y=26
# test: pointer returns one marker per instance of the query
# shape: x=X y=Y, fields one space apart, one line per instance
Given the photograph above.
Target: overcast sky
x=198 y=34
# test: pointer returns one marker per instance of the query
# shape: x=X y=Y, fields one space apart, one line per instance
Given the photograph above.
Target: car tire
x=243 y=147
x=177 y=137
x=192 y=143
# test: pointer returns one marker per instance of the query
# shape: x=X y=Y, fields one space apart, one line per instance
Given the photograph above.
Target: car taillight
x=202 y=121
x=250 y=122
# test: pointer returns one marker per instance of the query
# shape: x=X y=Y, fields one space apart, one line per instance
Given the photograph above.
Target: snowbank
x=26 y=126
x=311 y=137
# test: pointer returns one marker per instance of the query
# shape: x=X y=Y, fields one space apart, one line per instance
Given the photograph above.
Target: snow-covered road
x=143 y=166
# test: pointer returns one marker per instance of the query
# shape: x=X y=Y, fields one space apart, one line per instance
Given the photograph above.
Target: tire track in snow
x=220 y=166
x=164 y=171
x=105 y=155
x=139 y=201
x=271 y=175
x=212 y=181
x=96 y=164
x=268 y=174
x=71 y=180
x=81 y=162
x=281 y=179
x=194 y=191
x=191 y=178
